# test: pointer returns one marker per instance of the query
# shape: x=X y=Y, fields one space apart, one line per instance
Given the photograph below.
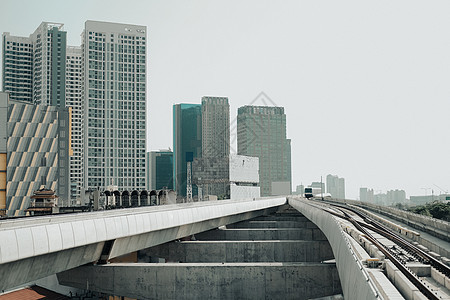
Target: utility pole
x=189 y=182
x=321 y=187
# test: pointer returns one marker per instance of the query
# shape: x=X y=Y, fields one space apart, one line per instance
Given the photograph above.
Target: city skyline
x=363 y=86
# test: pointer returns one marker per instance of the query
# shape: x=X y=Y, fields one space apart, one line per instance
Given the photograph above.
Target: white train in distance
x=313 y=192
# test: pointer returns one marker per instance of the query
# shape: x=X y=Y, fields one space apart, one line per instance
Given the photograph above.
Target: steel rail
x=409 y=275
x=388 y=233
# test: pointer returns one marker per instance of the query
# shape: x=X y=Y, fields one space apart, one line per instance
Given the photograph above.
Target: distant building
x=114 y=83
x=318 y=185
x=160 y=169
x=37 y=152
x=380 y=199
x=366 y=195
x=244 y=177
x=234 y=177
x=187 y=141
x=336 y=186
x=419 y=200
x=212 y=174
x=261 y=132
x=300 y=189
x=396 y=196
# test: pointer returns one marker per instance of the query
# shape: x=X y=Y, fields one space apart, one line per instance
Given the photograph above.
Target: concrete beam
x=272 y=224
x=259 y=234
x=208 y=280
x=243 y=251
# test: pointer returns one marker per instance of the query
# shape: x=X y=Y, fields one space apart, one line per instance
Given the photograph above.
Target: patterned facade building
x=37 y=152
x=261 y=132
x=3 y=150
x=114 y=93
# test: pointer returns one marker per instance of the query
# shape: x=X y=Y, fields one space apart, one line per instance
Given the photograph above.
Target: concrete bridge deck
x=32 y=248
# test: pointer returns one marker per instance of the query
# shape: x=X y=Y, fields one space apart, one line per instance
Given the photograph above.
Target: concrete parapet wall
x=208 y=281
x=355 y=281
x=436 y=227
x=243 y=251
x=426 y=224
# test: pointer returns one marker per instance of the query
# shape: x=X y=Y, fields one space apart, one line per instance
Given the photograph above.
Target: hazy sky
x=365 y=84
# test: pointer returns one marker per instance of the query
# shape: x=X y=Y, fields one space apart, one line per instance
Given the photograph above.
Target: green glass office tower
x=187 y=140
x=261 y=132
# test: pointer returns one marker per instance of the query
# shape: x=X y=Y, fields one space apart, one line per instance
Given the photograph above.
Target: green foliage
x=436 y=210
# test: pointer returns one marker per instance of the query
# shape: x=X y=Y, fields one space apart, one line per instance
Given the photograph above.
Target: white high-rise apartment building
x=17 y=67
x=74 y=100
x=114 y=92
x=49 y=64
x=34 y=66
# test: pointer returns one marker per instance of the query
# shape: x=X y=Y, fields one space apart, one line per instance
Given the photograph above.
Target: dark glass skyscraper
x=160 y=170
x=187 y=140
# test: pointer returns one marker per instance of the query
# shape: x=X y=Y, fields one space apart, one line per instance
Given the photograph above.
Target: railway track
x=369 y=224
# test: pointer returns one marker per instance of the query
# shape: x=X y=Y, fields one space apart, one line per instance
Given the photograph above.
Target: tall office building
x=187 y=142
x=336 y=186
x=114 y=93
x=160 y=170
x=37 y=138
x=261 y=132
x=76 y=103
x=211 y=171
x=215 y=127
x=34 y=66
